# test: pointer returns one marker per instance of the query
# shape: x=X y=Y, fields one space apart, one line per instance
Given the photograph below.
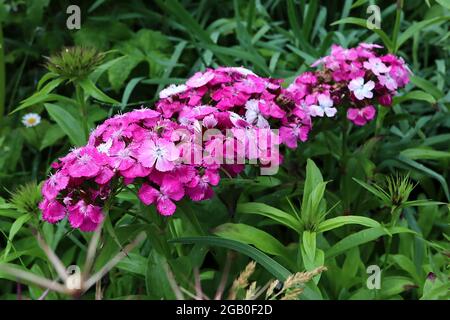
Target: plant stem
x=395 y=214
x=396 y=30
x=83 y=112
x=2 y=75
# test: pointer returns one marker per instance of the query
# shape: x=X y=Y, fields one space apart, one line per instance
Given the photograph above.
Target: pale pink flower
x=376 y=66
x=160 y=154
x=200 y=79
x=253 y=114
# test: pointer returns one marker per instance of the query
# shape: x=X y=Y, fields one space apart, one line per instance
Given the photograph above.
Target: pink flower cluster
x=157 y=150
x=355 y=79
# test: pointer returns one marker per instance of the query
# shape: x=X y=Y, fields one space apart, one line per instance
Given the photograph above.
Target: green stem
x=396 y=30
x=83 y=111
x=2 y=75
x=395 y=215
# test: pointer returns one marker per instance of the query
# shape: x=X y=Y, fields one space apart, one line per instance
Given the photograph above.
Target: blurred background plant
x=330 y=210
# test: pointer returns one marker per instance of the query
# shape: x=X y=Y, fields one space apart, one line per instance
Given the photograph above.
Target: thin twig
x=190 y=294
x=30 y=277
x=52 y=257
x=92 y=248
x=98 y=290
x=19 y=291
x=97 y=276
x=198 y=284
x=44 y=294
x=223 y=280
x=173 y=282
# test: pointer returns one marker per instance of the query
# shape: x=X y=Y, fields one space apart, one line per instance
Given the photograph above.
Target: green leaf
x=429 y=154
x=421 y=203
x=362 y=237
x=420 y=167
x=51 y=136
x=133 y=263
x=270 y=212
x=191 y=25
x=313 y=191
x=251 y=235
x=16 y=226
x=394 y=285
x=427 y=86
x=95 y=75
x=363 y=23
x=435 y=289
x=156 y=281
x=91 y=90
x=277 y=270
x=417 y=27
x=376 y=191
x=337 y=222
x=444 y=3
x=414 y=95
x=128 y=90
x=41 y=96
x=308 y=249
x=67 y=123
x=406 y=264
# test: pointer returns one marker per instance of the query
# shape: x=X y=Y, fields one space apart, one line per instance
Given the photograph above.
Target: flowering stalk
x=82 y=107
x=219 y=120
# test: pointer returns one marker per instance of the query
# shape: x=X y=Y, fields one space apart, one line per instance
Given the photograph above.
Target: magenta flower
x=170 y=190
x=271 y=109
x=200 y=187
x=84 y=216
x=54 y=185
x=87 y=163
x=361 y=116
x=52 y=210
x=251 y=84
x=292 y=133
x=140 y=145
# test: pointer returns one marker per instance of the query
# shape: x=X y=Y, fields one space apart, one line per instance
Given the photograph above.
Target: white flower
x=360 y=89
x=376 y=66
x=104 y=147
x=324 y=107
x=241 y=70
x=253 y=114
x=171 y=90
x=31 y=120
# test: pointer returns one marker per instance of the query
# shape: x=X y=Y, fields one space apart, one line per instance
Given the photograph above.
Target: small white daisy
x=31 y=120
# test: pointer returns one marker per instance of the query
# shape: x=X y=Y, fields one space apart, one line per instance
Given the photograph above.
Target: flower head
x=31 y=120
